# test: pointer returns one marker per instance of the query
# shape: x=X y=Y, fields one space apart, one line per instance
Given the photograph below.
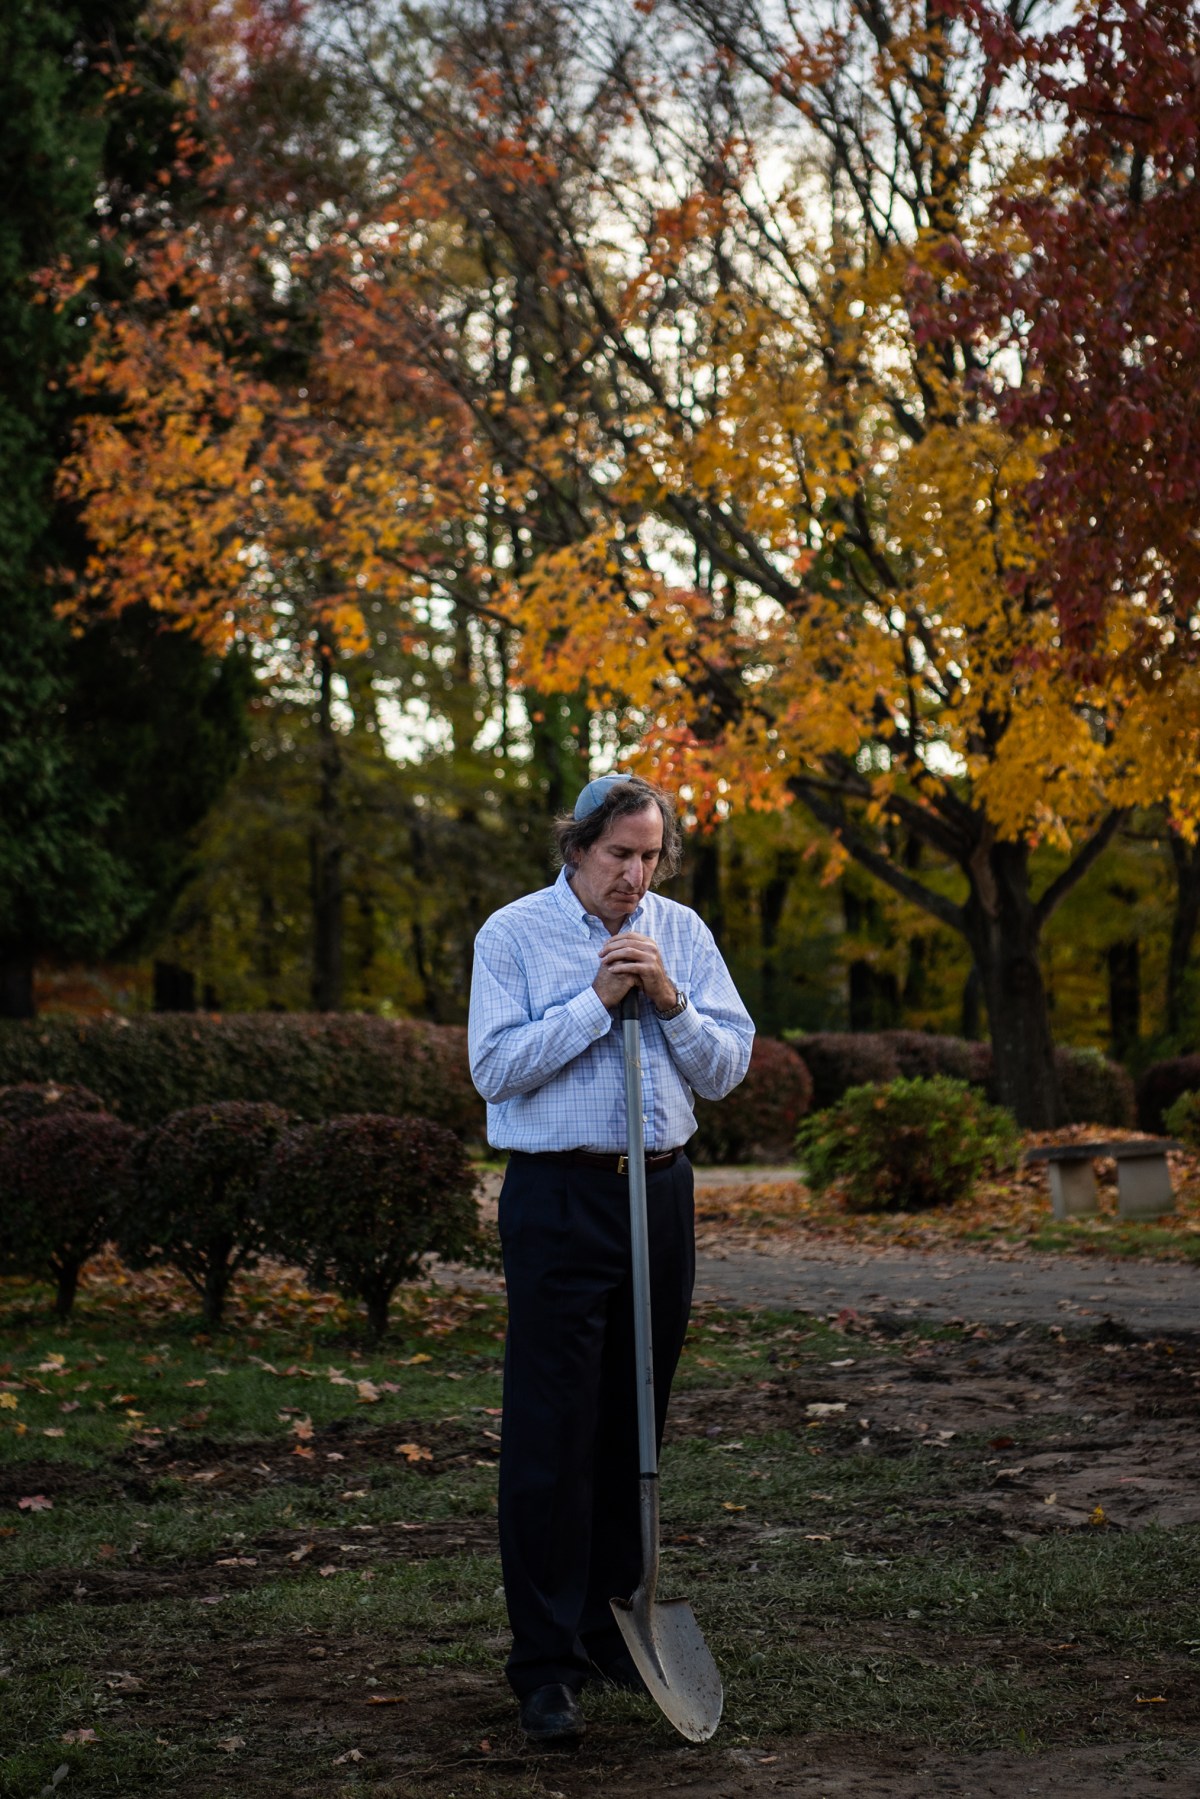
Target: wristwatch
x=673 y=1011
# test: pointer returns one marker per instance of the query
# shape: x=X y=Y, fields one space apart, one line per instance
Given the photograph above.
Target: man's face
x=611 y=877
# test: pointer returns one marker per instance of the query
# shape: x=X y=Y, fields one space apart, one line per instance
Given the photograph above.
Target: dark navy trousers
x=569 y=1528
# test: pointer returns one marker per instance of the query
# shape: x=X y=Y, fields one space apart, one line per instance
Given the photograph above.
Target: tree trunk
x=1184 y=922
x=1124 y=997
x=328 y=896
x=378 y=1301
x=67 y=1276
x=216 y=1285
x=16 y=984
x=772 y=899
x=1004 y=930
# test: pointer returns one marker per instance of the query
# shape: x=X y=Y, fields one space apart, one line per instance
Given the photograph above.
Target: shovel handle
x=639 y=1238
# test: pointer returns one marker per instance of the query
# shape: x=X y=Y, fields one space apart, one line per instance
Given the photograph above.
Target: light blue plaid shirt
x=544 y=1053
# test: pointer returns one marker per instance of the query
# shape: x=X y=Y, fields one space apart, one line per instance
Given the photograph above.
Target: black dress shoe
x=552 y=1715
x=620 y=1670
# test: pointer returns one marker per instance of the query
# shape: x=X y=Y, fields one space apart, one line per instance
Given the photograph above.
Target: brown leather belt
x=594 y=1158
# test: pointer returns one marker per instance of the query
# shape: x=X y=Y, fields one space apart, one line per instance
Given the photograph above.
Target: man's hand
x=632 y=960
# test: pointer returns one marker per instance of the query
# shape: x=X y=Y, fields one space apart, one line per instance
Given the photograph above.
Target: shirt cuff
x=685 y=1027
x=591 y=1014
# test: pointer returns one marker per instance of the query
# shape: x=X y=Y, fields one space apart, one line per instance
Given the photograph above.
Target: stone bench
x=1143 y=1177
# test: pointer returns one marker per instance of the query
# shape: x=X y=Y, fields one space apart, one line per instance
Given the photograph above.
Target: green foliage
x=313 y=1065
x=102 y=768
x=759 y=1117
x=28 y=1100
x=905 y=1145
x=66 y=1179
x=363 y=1201
x=199 y=1198
x=1182 y=1119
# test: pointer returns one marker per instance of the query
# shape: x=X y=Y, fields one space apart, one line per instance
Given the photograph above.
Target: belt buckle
x=622 y=1164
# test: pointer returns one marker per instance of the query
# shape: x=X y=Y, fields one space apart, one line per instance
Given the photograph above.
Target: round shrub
x=1093 y=1090
x=760 y=1116
x=66 y=1179
x=362 y=1201
x=39 y=1099
x=907 y=1145
x=1182 y=1120
x=200 y=1195
x=1161 y=1085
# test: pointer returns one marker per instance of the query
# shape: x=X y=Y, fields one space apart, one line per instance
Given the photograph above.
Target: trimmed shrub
x=1161 y=1085
x=362 y=1202
x=922 y=1054
x=1093 y=1089
x=760 y=1116
x=200 y=1195
x=837 y=1060
x=907 y=1145
x=66 y=1179
x=313 y=1065
x=31 y=1099
x=1182 y=1120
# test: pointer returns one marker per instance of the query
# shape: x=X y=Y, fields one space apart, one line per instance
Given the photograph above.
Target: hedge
x=31 y=1099
x=312 y=1065
x=1093 y=1089
x=1161 y=1085
x=760 y=1116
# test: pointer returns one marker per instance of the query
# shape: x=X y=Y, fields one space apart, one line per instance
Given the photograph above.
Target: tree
x=93 y=148
x=751 y=380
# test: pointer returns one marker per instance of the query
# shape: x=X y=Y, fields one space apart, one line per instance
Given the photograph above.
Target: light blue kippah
x=595 y=794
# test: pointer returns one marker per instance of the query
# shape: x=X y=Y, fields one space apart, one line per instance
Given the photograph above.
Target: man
x=550 y=973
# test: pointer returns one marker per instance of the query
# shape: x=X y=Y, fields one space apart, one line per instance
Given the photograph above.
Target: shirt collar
x=574 y=909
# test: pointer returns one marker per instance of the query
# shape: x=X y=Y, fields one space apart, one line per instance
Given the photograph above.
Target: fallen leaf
x=124 y=1682
x=1099 y=1515
x=303 y=1449
x=231 y=1744
x=298 y=1555
x=327 y=1570
x=79 y=1736
x=54 y=1431
x=1152 y=1699
x=195 y=1383
x=386 y=1699
x=1050 y=1499
x=413 y=1452
x=368 y=1392
x=351 y=1755
x=237 y=1561
x=728 y=1506
x=36 y=1502
x=8 y=1402
x=303 y=1429
x=69 y=1405
x=818 y=1408
x=354 y=1493
x=413 y=1360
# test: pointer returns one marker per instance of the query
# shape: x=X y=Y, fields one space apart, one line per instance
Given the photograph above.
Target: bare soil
x=1088 y=1435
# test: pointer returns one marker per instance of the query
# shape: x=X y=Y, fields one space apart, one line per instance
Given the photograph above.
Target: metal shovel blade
x=673 y=1659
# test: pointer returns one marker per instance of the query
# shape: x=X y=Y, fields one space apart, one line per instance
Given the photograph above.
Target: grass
x=270 y=1552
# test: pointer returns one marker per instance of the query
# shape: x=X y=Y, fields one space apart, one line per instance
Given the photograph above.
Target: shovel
x=662 y=1635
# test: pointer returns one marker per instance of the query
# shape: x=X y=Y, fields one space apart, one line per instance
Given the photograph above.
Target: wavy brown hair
x=573 y=836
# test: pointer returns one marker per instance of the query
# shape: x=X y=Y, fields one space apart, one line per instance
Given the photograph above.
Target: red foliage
x=1103 y=308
